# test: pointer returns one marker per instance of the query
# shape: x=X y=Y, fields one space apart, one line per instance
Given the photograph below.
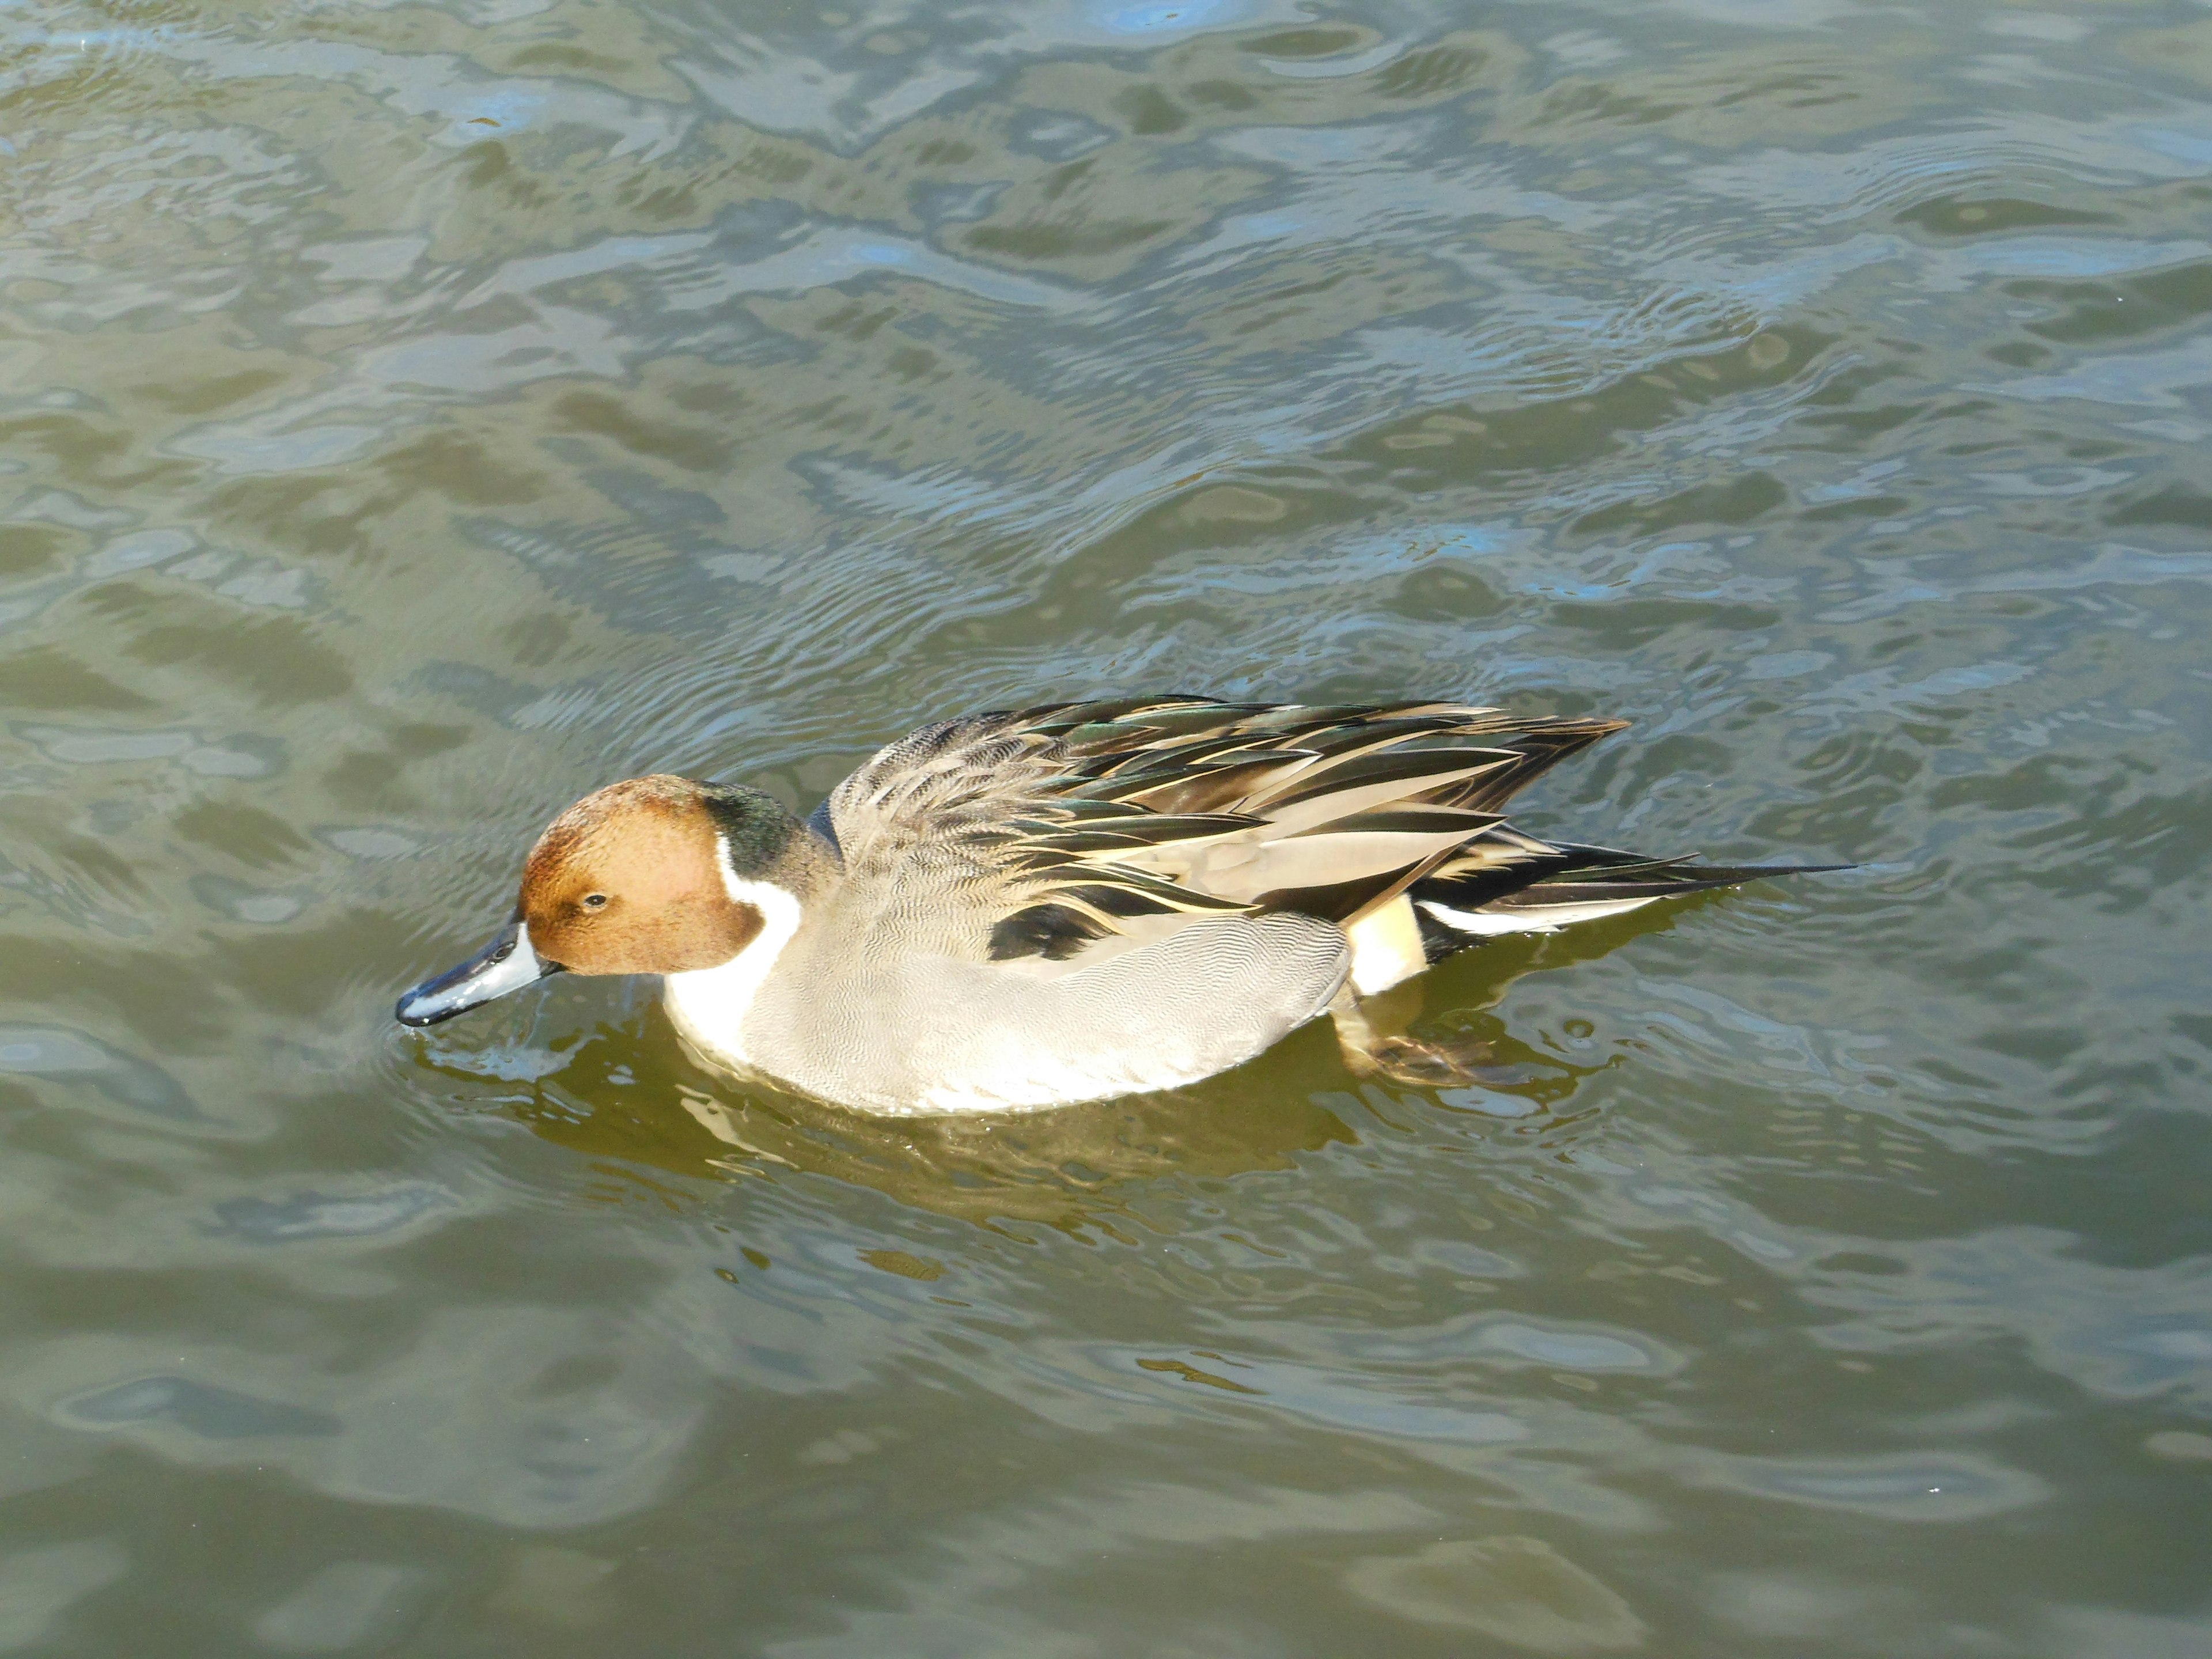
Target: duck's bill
x=507 y=963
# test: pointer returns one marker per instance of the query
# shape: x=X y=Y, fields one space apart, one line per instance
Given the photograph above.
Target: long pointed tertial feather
x=1375 y=780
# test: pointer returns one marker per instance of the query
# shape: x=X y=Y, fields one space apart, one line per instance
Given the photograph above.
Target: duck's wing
x=1068 y=830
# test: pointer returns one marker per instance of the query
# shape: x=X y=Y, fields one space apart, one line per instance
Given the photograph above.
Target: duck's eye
x=595 y=901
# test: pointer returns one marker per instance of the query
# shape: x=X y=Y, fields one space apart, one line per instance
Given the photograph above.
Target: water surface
x=418 y=415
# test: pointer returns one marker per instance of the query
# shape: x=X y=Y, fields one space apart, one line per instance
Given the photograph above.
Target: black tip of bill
x=507 y=963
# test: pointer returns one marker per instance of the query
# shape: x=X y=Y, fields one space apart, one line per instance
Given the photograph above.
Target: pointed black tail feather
x=1652 y=878
x=1575 y=884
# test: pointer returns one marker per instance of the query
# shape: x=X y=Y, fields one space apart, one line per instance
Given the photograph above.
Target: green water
x=414 y=416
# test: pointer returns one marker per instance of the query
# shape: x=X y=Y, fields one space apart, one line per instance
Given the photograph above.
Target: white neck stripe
x=712 y=1001
x=779 y=908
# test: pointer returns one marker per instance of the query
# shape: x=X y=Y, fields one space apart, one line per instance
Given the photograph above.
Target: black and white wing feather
x=1059 y=826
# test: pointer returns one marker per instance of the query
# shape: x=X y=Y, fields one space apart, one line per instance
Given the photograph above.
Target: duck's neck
x=712 y=1002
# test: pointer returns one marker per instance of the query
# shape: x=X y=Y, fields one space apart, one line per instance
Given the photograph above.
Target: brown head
x=656 y=875
x=630 y=881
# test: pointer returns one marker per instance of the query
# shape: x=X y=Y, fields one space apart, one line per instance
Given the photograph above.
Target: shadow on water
x=635 y=1095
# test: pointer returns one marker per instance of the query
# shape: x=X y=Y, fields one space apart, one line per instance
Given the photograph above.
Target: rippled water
x=418 y=415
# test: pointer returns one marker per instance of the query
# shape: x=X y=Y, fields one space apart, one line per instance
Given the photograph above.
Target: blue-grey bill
x=507 y=963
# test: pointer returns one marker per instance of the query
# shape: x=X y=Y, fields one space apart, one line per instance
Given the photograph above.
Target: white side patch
x=1386 y=947
x=1546 y=919
x=710 y=1003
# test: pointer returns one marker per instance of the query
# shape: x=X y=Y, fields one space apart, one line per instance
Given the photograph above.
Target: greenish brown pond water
x=415 y=415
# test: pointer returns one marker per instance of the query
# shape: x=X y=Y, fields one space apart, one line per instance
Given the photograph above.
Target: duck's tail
x=1561 y=884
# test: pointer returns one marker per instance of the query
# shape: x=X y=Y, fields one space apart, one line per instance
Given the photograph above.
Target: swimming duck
x=1025 y=910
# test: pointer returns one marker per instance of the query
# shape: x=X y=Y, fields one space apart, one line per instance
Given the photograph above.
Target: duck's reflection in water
x=633 y=1095
x=1068 y=1167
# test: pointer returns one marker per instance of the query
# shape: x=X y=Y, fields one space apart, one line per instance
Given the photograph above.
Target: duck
x=1035 y=908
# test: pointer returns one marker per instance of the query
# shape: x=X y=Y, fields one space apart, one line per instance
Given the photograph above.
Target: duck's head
x=657 y=875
